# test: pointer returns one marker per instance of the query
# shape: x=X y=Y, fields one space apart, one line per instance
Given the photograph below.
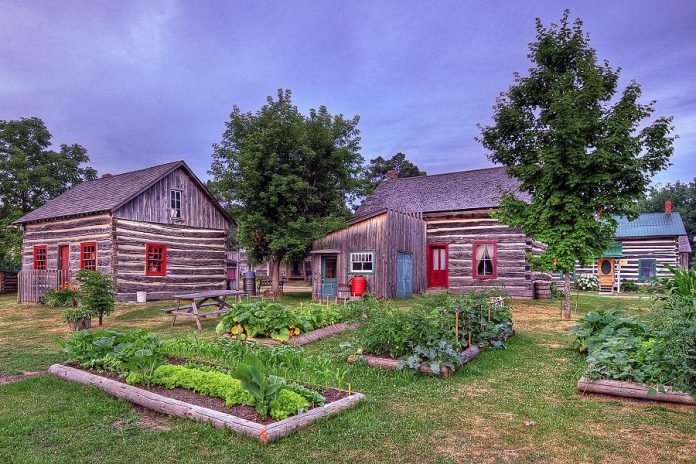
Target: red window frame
x=163 y=260
x=83 y=246
x=44 y=262
x=474 y=272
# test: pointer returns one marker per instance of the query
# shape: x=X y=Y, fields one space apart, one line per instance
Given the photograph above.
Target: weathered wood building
x=157 y=230
x=643 y=249
x=459 y=245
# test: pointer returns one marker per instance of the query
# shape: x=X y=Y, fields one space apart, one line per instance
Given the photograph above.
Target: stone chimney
x=106 y=175
x=668 y=206
x=392 y=174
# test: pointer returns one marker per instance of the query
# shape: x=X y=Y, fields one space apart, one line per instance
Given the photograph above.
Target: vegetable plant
x=263 y=388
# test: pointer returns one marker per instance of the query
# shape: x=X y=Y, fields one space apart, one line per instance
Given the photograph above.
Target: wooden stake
x=489 y=311
x=349 y=389
x=456 y=327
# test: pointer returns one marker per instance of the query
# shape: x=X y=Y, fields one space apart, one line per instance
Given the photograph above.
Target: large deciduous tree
x=378 y=167
x=31 y=173
x=582 y=152
x=683 y=197
x=292 y=176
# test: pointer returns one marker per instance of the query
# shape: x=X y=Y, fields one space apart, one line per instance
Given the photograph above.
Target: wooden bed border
x=632 y=390
x=309 y=337
x=220 y=420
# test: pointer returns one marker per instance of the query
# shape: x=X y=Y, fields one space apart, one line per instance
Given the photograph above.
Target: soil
x=4 y=378
x=245 y=412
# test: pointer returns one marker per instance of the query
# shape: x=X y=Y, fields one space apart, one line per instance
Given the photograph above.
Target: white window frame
x=176 y=212
x=358 y=259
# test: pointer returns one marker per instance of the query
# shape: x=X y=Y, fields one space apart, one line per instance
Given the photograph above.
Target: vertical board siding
x=460 y=229
x=196 y=259
x=386 y=234
x=71 y=232
x=153 y=205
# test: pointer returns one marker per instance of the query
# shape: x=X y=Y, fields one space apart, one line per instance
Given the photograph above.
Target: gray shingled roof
x=451 y=191
x=104 y=194
x=683 y=244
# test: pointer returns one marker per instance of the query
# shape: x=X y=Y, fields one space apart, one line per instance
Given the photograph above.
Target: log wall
x=460 y=229
x=71 y=232
x=195 y=259
x=153 y=205
x=8 y=282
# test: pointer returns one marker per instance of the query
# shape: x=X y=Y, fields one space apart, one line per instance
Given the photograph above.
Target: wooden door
x=438 y=266
x=606 y=272
x=328 y=276
x=404 y=275
x=64 y=257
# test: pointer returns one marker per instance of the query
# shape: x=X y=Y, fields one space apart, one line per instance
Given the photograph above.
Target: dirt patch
x=4 y=378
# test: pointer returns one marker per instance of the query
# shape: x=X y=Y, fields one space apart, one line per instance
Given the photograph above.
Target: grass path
x=513 y=405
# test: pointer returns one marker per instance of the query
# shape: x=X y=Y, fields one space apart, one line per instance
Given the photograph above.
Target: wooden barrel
x=542 y=289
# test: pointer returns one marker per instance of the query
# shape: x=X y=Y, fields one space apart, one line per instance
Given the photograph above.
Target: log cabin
x=429 y=232
x=643 y=249
x=157 y=230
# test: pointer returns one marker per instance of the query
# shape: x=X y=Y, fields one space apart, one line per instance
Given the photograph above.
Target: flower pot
x=141 y=297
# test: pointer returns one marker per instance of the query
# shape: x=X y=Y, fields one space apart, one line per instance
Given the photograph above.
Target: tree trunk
x=275 y=276
x=566 y=296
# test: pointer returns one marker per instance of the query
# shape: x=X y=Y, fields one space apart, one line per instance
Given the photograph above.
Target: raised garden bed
x=308 y=337
x=386 y=362
x=633 y=390
x=190 y=405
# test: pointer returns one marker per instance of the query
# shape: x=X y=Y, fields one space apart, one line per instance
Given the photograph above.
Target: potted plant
x=78 y=318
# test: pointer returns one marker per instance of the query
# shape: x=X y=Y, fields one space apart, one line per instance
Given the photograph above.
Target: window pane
x=443 y=259
x=436 y=259
x=485 y=253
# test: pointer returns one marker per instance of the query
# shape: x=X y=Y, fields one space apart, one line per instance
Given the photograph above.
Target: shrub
x=629 y=286
x=76 y=314
x=587 y=282
x=95 y=293
x=64 y=297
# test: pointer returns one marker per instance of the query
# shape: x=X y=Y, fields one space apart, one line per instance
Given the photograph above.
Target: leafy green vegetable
x=263 y=388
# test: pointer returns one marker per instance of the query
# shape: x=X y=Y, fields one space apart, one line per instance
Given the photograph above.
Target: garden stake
x=489 y=311
x=456 y=327
x=349 y=389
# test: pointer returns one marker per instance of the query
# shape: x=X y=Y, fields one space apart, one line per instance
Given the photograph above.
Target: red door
x=64 y=257
x=437 y=265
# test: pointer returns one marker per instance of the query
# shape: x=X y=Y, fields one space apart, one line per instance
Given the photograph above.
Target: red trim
x=82 y=254
x=430 y=262
x=45 y=260
x=476 y=243
x=163 y=271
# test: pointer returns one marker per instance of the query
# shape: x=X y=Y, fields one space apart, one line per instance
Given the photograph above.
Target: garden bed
x=185 y=403
x=308 y=337
x=633 y=390
x=387 y=362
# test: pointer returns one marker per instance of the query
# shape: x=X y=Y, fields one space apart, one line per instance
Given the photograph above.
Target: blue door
x=328 y=276
x=404 y=275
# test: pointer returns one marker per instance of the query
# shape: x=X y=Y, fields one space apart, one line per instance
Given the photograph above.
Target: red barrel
x=358 y=286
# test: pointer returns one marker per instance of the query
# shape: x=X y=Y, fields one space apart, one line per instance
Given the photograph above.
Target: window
x=40 y=257
x=647 y=269
x=88 y=256
x=175 y=203
x=362 y=262
x=155 y=259
x=485 y=260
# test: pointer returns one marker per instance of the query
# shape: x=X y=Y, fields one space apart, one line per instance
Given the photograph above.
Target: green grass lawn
x=512 y=405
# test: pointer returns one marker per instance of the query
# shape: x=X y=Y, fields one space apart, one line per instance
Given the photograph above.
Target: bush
x=629 y=286
x=64 y=297
x=587 y=282
x=95 y=293
x=74 y=315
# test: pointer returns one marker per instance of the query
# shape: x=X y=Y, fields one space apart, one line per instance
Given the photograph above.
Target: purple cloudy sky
x=147 y=82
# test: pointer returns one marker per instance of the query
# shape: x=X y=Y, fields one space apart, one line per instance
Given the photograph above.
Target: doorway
x=329 y=266
x=404 y=275
x=438 y=275
x=605 y=272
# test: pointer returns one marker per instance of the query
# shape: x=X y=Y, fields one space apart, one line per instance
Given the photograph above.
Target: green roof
x=651 y=225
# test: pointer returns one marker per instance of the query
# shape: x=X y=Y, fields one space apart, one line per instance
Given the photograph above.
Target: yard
x=513 y=405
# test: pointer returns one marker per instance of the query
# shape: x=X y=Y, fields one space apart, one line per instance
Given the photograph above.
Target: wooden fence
x=33 y=284
x=8 y=282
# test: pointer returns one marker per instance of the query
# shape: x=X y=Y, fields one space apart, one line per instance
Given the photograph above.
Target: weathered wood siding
x=153 y=205
x=387 y=234
x=71 y=232
x=460 y=229
x=664 y=250
x=196 y=259
x=8 y=282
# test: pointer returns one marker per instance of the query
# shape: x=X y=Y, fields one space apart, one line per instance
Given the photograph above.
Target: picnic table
x=199 y=300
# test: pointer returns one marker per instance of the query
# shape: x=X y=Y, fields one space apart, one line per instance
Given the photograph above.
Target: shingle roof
x=451 y=191
x=651 y=225
x=105 y=194
x=683 y=244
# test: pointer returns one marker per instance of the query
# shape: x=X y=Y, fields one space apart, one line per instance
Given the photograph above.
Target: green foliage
x=63 y=297
x=311 y=396
x=587 y=282
x=377 y=170
x=132 y=351
x=76 y=314
x=31 y=173
x=263 y=388
x=425 y=332
x=290 y=173
x=287 y=403
x=95 y=293
x=629 y=286
x=576 y=146
x=204 y=382
x=276 y=320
